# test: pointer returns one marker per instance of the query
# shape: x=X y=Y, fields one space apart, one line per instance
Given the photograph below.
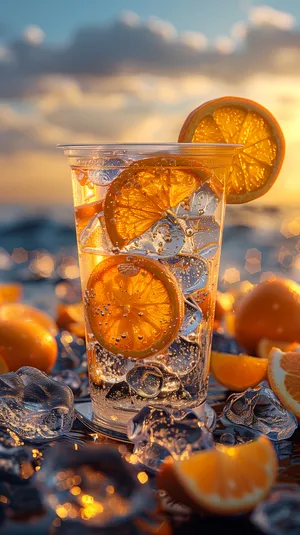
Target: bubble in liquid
x=106 y=367
x=182 y=356
x=203 y=202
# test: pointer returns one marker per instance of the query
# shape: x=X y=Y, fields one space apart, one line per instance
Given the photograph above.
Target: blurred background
x=129 y=70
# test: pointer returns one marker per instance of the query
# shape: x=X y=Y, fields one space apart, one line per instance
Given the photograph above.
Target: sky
x=130 y=71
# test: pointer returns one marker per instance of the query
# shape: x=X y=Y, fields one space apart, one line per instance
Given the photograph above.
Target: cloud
x=268 y=16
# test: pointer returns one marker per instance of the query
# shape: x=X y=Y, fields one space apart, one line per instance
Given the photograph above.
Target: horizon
x=158 y=64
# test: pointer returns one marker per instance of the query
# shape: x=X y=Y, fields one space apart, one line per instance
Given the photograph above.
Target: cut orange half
x=284 y=378
x=224 y=480
x=134 y=306
x=145 y=192
x=256 y=166
x=238 y=372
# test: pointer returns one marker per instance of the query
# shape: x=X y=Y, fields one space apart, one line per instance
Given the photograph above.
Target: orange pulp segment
x=256 y=166
x=145 y=192
x=224 y=480
x=238 y=372
x=134 y=306
x=284 y=378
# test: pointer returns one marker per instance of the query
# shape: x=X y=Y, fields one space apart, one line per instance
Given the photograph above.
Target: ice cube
x=164 y=239
x=93 y=490
x=280 y=513
x=206 y=232
x=204 y=202
x=93 y=238
x=146 y=380
x=190 y=271
x=192 y=318
x=234 y=434
x=261 y=410
x=34 y=406
x=158 y=432
x=71 y=353
x=104 y=366
x=70 y=378
x=15 y=458
x=105 y=174
x=182 y=356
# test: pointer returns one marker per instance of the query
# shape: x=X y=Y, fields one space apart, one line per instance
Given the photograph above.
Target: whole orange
x=270 y=310
x=12 y=311
x=27 y=343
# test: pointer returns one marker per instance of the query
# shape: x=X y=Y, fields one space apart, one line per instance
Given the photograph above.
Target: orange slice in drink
x=284 y=378
x=256 y=166
x=145 y=192
x=238 y=372
x=134 y=306
x=224 y=480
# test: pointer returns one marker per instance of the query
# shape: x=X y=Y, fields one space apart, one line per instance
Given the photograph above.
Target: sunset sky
x=130 y=71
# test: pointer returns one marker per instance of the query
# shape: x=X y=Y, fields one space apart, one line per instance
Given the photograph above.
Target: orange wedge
x=238 y=372
x=284 y=378
x=224 y=480
x=237 y=120
x=69 y=313
x=146 y=192
x=134 y=306
x=265 y=345
x=10 y=293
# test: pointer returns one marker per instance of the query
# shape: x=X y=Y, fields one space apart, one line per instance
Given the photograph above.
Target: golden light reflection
x=19 y=255
x=142 y=477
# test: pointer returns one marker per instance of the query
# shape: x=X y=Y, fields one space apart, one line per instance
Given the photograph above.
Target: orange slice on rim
x=134 y=306
x=223 y=480
x=238 y=372
x=256 y=166
x=284 y=378
x=145 y=192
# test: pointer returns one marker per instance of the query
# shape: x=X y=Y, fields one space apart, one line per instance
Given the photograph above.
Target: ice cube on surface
x=192 y=318
x=35 y=406
x=190 y=271
x=158 y=432
x=146 y=380
x=280 y=513
x=260 y=409
x=15 y=459
x=234 y=434
x=70 y=378
x=164 y=239
x=95 y=490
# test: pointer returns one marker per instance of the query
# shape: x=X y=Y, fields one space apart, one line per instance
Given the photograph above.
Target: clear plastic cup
x=149 y=221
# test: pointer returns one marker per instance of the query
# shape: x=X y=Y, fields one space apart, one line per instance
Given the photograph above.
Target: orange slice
x=10 y=293
x=237 y=120
x=238 y=372
x=134 y=306
x=223 y=480
x=145 y=192
x=265 y=345
x=284 y=378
